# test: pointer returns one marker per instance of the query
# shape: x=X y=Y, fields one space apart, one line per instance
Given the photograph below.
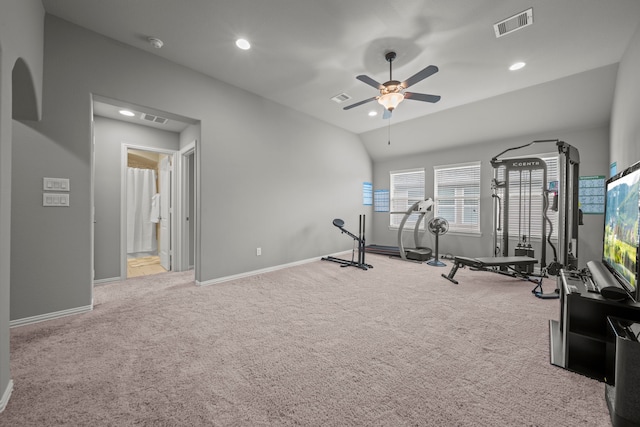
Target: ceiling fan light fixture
x=390 y=100
x=392 y=93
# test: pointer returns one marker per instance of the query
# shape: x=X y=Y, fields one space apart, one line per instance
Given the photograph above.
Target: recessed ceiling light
x=373 y=113
x=127 y=113
x=517 y=66
x=243 y=44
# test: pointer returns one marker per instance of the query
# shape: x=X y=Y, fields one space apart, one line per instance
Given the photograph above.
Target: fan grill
x=340 y=98
x=514 y=23
x=154 y=119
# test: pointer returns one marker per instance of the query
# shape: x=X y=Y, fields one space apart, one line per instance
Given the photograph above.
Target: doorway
x=114 y=134
x=148 y=195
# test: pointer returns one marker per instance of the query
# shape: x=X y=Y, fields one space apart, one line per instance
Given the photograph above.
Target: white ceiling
x=306 y=51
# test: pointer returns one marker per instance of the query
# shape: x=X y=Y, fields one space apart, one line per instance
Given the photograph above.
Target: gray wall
x=625 y=117
x=190 y=134
x=593 y=147
x=21 y=36
x=110 y=135
x=270 y=177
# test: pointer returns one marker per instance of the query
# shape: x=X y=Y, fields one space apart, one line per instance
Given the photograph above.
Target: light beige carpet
x=313 y=345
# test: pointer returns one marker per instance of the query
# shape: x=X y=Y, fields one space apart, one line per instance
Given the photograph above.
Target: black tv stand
x=623 y=355
x=578 y=340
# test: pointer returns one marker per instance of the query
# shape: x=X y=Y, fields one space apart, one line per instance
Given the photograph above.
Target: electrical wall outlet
x=258 y=251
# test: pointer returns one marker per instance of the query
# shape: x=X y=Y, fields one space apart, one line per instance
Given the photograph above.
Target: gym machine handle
x=340 y=224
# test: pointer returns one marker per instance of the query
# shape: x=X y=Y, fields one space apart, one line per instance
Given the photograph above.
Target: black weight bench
x=514 y=266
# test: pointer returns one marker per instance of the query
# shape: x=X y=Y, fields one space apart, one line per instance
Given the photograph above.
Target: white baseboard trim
x=261 y=271
x=107 y=280
x=50 y=316
x=6 y=396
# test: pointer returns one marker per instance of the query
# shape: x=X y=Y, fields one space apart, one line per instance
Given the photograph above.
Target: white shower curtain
x=141 y=232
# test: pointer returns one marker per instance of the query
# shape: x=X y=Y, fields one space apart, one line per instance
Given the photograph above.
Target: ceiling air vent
x=514 y=23
x=340 y=98
x=154 y=119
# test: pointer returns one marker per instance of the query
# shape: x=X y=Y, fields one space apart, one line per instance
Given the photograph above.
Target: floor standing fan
x=437 y=226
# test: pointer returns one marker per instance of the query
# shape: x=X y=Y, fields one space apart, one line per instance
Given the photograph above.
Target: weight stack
x=521 y=250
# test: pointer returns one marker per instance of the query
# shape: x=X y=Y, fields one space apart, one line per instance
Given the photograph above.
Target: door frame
x=124 y=151
x=181 y=253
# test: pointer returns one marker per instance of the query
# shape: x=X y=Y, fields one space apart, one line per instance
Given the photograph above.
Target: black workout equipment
x=359 y=240
x=437 y=226
x=513 y=178
x=500 y=265
x=417 y=254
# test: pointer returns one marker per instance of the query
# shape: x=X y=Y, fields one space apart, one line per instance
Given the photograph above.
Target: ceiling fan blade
x=421 y=75
x=357 y=104
x=368 y=80
x=387 y=114
x=421 y=97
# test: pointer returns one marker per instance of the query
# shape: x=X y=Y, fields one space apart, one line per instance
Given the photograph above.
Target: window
x=525 y=196
x=407 y=187
x=457 y=196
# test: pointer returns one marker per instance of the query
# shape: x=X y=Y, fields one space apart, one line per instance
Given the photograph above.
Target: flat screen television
x=621 y=219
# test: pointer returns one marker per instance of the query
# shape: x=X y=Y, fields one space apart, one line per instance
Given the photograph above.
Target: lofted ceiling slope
x=304 y=52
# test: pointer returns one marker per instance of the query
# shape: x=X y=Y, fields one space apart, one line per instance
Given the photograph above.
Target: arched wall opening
x=24 y=100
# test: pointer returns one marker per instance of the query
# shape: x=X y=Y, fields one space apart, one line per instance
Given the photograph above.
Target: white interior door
x=165 y=213
x=184 y=217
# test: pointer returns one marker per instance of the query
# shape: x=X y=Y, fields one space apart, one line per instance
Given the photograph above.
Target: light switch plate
x=55 y=184
x=55 y=199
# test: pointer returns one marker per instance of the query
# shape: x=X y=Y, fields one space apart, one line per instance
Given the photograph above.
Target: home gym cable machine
x=358 y=240
x=514 y=178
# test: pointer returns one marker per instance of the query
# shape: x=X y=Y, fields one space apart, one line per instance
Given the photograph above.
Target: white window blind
x=526 y=201
x=457 y=196
x=407 y=187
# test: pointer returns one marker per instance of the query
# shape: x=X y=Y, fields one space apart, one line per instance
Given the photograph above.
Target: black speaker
x=623 y=398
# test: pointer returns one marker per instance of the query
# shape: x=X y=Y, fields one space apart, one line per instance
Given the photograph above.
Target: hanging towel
x=155 y=208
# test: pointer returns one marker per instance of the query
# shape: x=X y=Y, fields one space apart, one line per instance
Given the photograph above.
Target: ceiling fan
x=393 y=92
